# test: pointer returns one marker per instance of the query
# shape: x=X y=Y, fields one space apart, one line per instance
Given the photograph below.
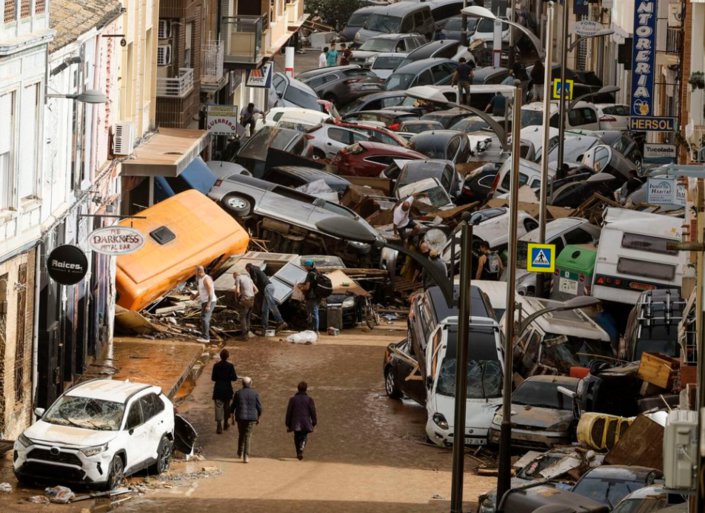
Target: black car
x=609 y=484
x=453 y=28
x=423 y=72
x=254 y=154
x=341 y=84
x=489 y=75
x=477 y=185
x=444 y=49
x=298 y=176
x=392 y=119
x=447 y=117
x=375 y=101
x=444 y=170
x=401 y=373
x=442 y=144
x=583 y=83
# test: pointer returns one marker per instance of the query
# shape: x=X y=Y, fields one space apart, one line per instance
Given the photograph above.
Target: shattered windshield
x=86 y=413
x=484 y=368
x=543 y=395
x=383 y=23
x=563 y=352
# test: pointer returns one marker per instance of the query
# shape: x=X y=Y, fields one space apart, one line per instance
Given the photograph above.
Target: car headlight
x=440 y=420
x=357 y=37
x=24 y=441
x=349 y=302
x=497 y=419
x=370 y=59
x=96 y=449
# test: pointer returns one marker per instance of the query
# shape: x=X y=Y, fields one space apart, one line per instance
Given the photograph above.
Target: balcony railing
x=294 y=12
x=212 y=65
x=243 y=37
x=176 y=87
x=673 y=40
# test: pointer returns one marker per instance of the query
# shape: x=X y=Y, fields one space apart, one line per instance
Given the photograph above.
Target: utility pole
x=697 y=501
x=561 y=106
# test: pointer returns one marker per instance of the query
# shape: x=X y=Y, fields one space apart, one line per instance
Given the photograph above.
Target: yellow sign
x=541 y=258
x=568 y=89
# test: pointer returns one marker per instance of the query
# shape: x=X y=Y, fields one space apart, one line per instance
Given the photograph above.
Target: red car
x=384 y=135
x=369 y=158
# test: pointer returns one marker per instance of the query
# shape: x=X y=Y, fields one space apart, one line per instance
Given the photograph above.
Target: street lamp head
x=92 y=96
x=344 y=228
x=478 y=12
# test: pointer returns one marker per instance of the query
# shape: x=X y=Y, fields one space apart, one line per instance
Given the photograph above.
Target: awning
x=166 y=153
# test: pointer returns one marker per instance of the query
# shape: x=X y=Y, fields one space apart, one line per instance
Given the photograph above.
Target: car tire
x=238 y=205
x=164 y=452
x=116 y=474
x=390 y=384
x=318 y=155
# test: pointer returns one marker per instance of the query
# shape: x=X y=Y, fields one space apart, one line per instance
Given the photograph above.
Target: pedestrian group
x=245 y=408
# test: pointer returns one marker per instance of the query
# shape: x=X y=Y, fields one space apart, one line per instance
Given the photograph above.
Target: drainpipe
x=35 y=325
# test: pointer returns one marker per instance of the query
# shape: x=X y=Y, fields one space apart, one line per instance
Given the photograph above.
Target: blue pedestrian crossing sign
x=541 y=258
x=568 y=89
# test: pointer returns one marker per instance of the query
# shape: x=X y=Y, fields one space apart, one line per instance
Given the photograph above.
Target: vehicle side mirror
x=39 y=412
x=132 y=430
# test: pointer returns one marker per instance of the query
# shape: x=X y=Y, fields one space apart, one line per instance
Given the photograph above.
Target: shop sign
x=643 y=56
x=67 y=264
x=222 y=119
x=260 y=77
x=588 y=28
x=115 y=240
x=665 y=191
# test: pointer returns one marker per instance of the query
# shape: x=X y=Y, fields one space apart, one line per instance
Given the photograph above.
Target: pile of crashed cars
x=588 y=382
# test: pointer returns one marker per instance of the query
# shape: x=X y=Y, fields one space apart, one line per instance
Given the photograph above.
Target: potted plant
x=697 y=80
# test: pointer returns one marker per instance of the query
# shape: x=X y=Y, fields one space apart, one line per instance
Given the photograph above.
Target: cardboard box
x=658 y=369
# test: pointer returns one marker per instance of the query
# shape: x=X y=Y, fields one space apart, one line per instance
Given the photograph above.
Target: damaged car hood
x=69 y=436
x=537 y=417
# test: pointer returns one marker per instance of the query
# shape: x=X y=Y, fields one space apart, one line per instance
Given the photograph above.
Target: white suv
x=96 y=433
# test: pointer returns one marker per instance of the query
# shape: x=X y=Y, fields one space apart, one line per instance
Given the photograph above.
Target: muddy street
x=367 y=454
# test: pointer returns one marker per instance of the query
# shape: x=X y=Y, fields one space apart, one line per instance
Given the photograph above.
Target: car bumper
x=43 y=462
x=444 y=437
x=531 y=439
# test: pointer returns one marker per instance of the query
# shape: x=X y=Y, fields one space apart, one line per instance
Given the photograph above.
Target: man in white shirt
x=323 y=58
x=206 y=296
x=403 y=224
x=245 y=291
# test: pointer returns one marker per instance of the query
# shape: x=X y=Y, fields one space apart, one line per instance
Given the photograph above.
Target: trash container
x=575 y=266
x=334 y=316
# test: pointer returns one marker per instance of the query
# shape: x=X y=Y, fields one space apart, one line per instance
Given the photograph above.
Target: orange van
x=180 y=233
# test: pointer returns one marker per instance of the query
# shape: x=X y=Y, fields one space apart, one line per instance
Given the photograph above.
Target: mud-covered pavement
x=368 y=453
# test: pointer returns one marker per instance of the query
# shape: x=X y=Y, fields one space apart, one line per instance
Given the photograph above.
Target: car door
x=409 y=377
x=155 y=427
x=338 y=138
x=423 y=78
x=137 y=446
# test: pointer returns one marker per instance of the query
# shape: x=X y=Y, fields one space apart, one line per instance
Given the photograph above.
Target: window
x=10 y=12
x=188 y=41
x=20 y=335
x=425 y=78
x=340 y=135
x=382 y=159
x=645 y=269
x=583 y=116
x=578 y=236
x=418 y=19
x=134 y=416
x=442 y=73
x=7 y=142
x=647 y=243
x=301 y=98
x=452 y=149
x=152 y=406
x=29 y=134
x=25 y=8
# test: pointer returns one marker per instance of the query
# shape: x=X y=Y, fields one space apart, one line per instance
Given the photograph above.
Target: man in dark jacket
x=247 y=409
x=269 y=304
x=301 y=418
x=223 y=375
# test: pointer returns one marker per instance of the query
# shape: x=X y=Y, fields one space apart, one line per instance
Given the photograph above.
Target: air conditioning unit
x=163 y=55
x=123 y=138
x=164 y=29
x=680 y=449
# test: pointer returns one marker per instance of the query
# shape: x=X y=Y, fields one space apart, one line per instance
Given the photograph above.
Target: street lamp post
x=482 y=12
x=561 y=105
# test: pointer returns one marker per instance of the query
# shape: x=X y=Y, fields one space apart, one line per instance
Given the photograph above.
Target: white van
x=632 y=255
x=582 y=115
x=484 y=386
x=293 y=117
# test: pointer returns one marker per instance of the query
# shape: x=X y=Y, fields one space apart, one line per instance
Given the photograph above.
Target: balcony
x=294 y=13
x=674 y=38
x=176 y=87
x=243 y=37
x=212 y=78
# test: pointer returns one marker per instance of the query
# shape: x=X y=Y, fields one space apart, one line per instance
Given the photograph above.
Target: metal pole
x=461 y=375
x=548 y=63
x=505 y=458
x=561 y=106
x=697 y=503
x=464 y=28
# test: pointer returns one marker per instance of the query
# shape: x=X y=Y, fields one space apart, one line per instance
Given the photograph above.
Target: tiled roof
x=71 y=18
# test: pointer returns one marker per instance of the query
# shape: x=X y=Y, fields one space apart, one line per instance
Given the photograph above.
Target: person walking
x=332 y=56
x=537 y=80
x=222 y=375
x=323 y=58
x=462 y=77
x=308 y=288
x=207 y=299
x=497 y=105
x=247 y=410
x=489 y=265
x=245 y=291
x=301 y=418
x=345 y=55
x=247 y=117
x=266 y=289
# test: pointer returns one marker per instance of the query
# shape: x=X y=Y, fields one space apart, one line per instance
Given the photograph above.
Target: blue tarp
x=197 y=175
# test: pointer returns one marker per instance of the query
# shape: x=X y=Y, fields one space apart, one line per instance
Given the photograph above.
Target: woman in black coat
x=301 y=418
x=222 y=376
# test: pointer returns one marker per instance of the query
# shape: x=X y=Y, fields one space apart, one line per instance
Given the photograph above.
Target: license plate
x=568 y=286
x=475 y=441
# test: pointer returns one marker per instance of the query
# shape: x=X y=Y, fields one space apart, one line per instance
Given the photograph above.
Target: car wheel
x=116 y=475
x=238 y=205
x=390 y=384
x=318 y=155
x=164 y=452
